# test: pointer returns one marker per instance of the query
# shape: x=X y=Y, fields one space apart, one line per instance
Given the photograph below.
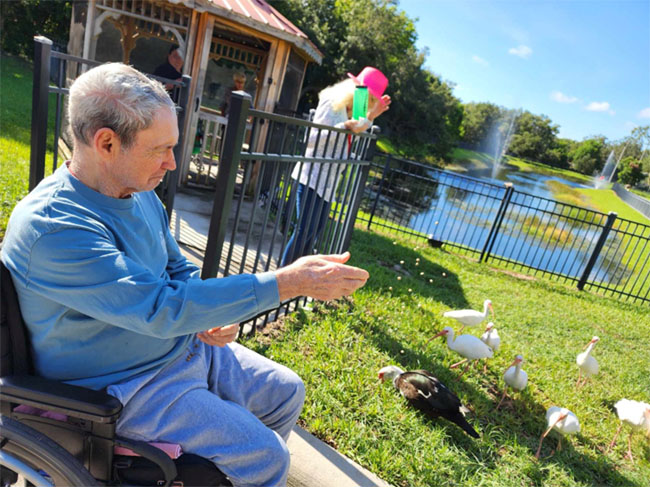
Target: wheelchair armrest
x=53 y=395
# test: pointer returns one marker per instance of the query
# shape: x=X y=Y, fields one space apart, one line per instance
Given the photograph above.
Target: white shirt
x=310 y=172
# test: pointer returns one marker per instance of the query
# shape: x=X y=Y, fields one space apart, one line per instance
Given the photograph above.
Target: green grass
x=466 y=159
x=15 y=134
x=606 y=200
x=339 y=347
x=532 y=166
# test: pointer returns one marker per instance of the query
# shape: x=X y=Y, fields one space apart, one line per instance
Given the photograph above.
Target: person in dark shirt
x=171 y=68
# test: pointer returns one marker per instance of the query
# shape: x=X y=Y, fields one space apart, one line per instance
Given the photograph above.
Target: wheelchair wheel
x=29 y=458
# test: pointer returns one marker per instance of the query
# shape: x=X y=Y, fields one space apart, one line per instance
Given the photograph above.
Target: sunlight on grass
x=606 y=200
x=15 y=136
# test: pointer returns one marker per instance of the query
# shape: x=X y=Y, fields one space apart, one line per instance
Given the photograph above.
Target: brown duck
x=425 y=392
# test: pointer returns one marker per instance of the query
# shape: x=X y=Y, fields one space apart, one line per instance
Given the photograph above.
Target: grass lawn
x=532 y=166
x=338 y=348
x=465 y=159
x=480 y=160
x=15 y=134
x=606 y=200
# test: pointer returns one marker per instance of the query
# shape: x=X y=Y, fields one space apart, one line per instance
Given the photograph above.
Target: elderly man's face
x=144 y=164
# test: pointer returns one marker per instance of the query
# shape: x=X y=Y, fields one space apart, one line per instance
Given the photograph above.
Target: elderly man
x=111 y=303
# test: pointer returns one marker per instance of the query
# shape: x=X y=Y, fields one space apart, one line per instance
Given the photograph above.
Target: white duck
x=514 y=377
x=561 y=420
x=470 y=317
x=588 y=364
x=469 y=346
x=635 y=414
x=491 y=339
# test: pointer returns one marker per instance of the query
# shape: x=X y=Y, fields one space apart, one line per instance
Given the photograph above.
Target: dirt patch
x=272 y=330
x=515 y=274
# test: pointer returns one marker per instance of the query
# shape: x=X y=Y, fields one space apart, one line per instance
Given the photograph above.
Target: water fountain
x=500 y=136
x=605 y=176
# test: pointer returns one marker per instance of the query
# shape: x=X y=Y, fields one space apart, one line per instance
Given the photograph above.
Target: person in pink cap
x=317 y=181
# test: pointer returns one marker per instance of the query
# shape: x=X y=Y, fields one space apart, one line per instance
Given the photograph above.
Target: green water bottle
x=360 y=102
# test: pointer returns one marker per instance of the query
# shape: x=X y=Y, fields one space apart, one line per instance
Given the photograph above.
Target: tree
x=535 y=136
x=357 y=33
x=586 y=157
x=478 y=119
x=23 y=19
x=558 y=156
x=630 y=171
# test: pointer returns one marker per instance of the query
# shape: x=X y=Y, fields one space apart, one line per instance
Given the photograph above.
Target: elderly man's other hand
x=322 y=277
x=219 y=336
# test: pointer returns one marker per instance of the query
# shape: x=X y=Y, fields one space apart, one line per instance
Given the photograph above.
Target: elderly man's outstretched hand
x=320 y=276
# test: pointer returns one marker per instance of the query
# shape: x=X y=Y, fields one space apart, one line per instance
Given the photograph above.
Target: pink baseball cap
x=374 y=79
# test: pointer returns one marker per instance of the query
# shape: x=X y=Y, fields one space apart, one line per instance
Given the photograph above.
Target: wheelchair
x=56 y=434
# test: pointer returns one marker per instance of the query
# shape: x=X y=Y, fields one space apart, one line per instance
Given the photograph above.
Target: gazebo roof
x=260 y=16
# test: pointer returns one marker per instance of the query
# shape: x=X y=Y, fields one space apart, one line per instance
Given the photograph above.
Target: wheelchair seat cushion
x=173 y=450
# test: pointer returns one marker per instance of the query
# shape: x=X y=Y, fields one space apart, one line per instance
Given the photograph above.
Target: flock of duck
x=425 y=392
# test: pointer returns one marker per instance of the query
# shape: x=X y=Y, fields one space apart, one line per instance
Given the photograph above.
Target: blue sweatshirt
x=104 y=289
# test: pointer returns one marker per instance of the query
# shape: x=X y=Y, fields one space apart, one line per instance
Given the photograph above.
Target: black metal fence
x=62 y=69
x=513 y=229
x=254 y=209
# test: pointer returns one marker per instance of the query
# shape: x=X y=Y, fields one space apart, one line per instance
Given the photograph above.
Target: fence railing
x=496 y=223
x=640 y=204
x=254 y=209
x=67 y=69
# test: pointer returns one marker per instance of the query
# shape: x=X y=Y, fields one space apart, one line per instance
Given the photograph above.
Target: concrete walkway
x=313 y=462
x=316 y=464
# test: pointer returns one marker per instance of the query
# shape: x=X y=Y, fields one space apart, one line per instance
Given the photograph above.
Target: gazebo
x=218 y=38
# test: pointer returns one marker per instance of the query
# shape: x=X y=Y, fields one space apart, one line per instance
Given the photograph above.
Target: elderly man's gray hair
x=116 y=96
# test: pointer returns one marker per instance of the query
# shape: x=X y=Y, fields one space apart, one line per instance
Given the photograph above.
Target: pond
x=525 y=181
x=535 y=232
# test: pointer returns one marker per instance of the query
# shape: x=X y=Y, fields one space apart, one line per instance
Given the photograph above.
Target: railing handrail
x=306 y=123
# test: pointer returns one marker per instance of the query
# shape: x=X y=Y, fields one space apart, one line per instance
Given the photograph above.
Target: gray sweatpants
x=228 y=404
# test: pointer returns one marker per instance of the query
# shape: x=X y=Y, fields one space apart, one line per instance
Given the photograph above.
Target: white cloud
x=522 y=51
x=480 y=60
x=645 y=113
x=600 y=106
x=560 y=97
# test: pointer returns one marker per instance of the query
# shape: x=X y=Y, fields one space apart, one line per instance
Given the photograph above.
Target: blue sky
x=584 y=64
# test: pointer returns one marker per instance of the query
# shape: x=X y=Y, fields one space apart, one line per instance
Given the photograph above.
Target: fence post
x=225 y=186
x=381 y=186
x=496 y=224
x=611 y=217
x=358 y=195
x=41 y=83
x=172 y=180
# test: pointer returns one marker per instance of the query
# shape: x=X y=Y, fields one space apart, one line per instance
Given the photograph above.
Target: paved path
x=316 y=464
